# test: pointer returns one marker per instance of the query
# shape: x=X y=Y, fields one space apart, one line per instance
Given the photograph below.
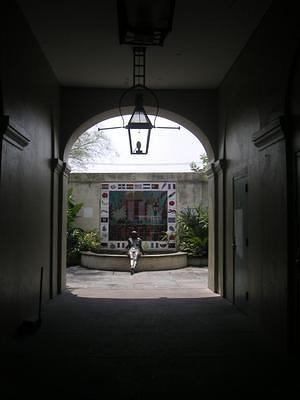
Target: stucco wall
x=29 y=98
x=294 y=206
x=252 y=99
x=191 y=191
x=196 y=110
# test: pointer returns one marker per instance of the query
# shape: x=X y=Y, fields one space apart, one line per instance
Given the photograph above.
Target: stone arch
x=181 y=120
x=214 y=166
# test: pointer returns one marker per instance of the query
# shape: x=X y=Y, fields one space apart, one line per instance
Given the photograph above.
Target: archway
x=179 y=119
x=196 y=131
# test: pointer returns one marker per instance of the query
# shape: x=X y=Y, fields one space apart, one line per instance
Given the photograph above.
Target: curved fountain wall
x=120 y=262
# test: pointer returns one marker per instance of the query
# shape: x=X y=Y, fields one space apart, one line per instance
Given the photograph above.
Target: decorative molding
x=57 y=165
x=66 y=170
x=60 y=167
x=219 y=165
x=216 y=167
x=13 y=134
x=270 y=134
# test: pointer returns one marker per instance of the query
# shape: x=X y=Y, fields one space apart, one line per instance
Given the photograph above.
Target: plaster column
x=219 y=168
x=64 y=172
x=13 y=142
x=216 y=226
x=57 y=168
x=212 y=230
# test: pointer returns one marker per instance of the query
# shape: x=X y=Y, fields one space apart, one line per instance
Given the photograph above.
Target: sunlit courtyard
x=185 y=282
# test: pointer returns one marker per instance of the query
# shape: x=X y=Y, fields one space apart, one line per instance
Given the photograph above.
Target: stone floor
x=186 y=282
x=100 y=341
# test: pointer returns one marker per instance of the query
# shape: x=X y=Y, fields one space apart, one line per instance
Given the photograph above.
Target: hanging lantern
x=139 y=128
x=142 y=23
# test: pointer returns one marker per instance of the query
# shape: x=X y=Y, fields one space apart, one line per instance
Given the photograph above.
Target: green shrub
x=77 y=239
x=192 y=230
x=73 y=210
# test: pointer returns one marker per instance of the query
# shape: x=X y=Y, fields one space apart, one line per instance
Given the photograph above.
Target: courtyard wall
x=191 y=191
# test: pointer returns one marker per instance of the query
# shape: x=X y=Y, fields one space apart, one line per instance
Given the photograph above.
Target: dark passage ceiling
x=80 y=40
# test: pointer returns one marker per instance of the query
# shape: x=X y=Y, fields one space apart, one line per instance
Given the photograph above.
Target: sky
x=170 y=150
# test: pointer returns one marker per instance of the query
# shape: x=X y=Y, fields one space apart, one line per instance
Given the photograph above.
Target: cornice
x=270 y=134
x=13 y=133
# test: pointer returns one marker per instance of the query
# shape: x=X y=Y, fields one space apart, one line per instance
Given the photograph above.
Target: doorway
x=240 y=242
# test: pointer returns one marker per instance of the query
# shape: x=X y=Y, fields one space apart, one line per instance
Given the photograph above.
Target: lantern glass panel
x=139 y=140
x=139 y=117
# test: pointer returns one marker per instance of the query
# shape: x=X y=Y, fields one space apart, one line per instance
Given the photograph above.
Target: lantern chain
x=139 y=66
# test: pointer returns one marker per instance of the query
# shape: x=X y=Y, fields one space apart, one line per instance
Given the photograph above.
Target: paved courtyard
x=185 y=282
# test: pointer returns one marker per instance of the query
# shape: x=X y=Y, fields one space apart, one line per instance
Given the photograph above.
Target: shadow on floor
x=88 y=348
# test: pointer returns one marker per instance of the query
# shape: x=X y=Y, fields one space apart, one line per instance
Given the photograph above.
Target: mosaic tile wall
x=147 y=207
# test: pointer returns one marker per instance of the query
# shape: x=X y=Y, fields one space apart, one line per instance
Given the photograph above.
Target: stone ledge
x=120 y=262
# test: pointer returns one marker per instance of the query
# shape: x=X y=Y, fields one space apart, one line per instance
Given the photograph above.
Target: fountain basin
x=148 y=262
